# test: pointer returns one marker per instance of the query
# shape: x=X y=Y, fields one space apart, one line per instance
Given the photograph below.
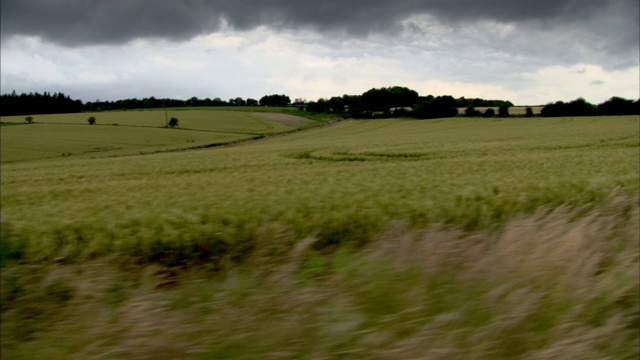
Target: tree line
x=400 y=101
x=153 y=103
x=396 y=101
x=580 y=107
x=59 y=103
x=36 y=103
x=385 y=102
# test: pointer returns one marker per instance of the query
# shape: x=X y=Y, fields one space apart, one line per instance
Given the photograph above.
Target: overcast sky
x=527 y=51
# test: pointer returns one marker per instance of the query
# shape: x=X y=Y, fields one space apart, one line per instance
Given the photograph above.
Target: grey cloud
x=99 y=21
x=72 y=23
x=609 y=26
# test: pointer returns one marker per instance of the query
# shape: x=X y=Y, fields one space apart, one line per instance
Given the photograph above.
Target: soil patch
x=291 y=120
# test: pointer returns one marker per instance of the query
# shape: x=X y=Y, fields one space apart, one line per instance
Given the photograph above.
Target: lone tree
x=275 y=100
x=91 y=120
x=471 y=111
x=489 y=113
x=29 y=119
x=173 y=122
x=503 y=111
x=528 y=112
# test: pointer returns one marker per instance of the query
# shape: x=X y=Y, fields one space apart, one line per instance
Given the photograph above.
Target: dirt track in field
x=292 y=120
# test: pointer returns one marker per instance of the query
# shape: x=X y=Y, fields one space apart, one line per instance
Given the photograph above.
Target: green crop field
x=199 y=119
x=463 y=238
x=133 y=132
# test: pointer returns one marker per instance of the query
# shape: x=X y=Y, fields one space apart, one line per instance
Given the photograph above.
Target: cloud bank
x=315 y=47
x=74 y=23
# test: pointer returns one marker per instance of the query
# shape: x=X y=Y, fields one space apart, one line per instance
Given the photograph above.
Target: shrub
x=12 y=247
x=528 y=112
x=471 y=111
x=503 y=111
x=489 y=113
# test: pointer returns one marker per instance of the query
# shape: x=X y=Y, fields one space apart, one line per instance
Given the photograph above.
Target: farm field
x=464 y=238
x=70 y=136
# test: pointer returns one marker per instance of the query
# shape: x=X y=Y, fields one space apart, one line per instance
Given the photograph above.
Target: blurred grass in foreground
x=559 y=283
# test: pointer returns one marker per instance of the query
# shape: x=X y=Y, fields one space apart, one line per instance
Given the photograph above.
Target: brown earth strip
x=291 y=120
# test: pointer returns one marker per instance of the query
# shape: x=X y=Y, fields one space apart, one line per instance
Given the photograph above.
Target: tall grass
x=559 y=283
x=462 y=238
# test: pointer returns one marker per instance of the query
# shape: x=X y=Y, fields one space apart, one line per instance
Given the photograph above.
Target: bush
x=528 y=112
x=440 y=107
x=12 y=247
x=489 y=113
x=91 y=120
x=471 y=111
x=503 y=111
x=173 y=122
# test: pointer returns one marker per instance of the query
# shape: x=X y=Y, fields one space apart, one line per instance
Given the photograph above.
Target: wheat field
x=387 y=239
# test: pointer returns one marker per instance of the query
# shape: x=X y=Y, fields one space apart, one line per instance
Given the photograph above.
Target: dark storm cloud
x=76 y=22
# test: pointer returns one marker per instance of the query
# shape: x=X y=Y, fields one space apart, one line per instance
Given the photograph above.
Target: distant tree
x=618 y=106
x=353 y=104
x=554 y=109
x=173 y=122
x=503 y=110
x=275 y=100
x=252 y=102
x=322 y=105
x=149 y=103
x=489 y=112
x=383 y=99
x=462 y=102
x=336 y=104
x=400 y=112
x=91 y=120
x=471 y=111
x=194 y=101
x=578 y=107
x=439 y=107
x=299 y=101
x=217 y=102
x=35 y=103
x=376 y=99
x=29 y=119
x=528 y=112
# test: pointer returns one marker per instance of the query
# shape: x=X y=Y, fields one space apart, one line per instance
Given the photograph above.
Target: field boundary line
x=255 y=138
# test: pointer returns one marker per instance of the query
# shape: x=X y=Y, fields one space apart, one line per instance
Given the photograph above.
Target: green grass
x=469 y=173
x=44 y=142
x=386 y=239
x=69 y=135
x=193 y=119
